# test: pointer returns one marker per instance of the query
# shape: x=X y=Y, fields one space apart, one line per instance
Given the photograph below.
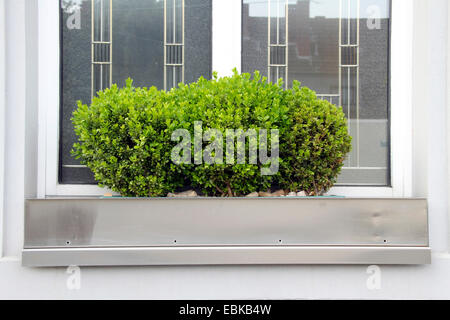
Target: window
x=339 y=48
x=155 y=42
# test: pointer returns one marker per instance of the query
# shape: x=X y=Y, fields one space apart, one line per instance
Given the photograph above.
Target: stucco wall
x=430 y=179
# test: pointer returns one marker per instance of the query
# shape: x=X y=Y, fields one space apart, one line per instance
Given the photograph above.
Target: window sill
x=86 y=190
x=219 y=231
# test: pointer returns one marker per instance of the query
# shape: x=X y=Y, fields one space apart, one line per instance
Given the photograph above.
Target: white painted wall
x=2 y=117
x=430 y=178
x=437 y=106
x=14 y=157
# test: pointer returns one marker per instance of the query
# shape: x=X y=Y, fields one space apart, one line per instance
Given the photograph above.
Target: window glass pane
x=340 y=49
x=155 y=42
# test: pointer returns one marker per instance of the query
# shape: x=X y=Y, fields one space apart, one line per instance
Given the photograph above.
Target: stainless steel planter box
x=120 y=231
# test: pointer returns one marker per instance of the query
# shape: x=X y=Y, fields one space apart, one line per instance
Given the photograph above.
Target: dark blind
x=107 y=41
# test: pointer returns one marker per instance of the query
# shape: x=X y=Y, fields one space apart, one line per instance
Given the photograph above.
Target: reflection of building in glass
x=344 y=61
x=314 y=52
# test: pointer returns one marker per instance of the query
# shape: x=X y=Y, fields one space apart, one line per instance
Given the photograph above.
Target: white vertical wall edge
x=15 y=116
x=48 y=96
x=448 y=118
x=226 y=43
x=436 y=44
x=2 y=118
x=420 y=99
x=401 y=96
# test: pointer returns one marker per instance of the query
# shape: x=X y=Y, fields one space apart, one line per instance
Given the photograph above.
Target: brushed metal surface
x=120 y=222
x=224 y=256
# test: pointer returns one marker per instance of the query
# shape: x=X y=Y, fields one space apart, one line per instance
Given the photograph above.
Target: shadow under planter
x=208 y=231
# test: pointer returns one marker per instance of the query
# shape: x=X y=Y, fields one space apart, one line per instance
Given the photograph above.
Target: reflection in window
x=340 y=49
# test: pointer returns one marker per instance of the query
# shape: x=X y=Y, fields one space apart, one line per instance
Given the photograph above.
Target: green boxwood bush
x=314 y=150
x=125 y=137
x=236 y=102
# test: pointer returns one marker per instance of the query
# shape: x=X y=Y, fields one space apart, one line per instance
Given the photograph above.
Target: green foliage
x=314 y=151
x=124 y=139
x=236 y=102
x=125 y=136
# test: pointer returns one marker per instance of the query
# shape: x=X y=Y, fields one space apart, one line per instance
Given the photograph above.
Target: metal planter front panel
x=258 y=222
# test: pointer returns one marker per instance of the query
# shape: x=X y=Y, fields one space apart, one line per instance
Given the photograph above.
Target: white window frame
x=2 y=117
x=227 y=55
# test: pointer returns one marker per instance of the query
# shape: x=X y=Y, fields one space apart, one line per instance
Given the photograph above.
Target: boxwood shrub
x=125 y=137
x=314 y=150
x=236 y=102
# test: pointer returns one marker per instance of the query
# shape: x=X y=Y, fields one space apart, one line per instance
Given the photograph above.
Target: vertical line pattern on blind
x=349 y=68
x=174 y=46
x=278 y=51
x=101 y=48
